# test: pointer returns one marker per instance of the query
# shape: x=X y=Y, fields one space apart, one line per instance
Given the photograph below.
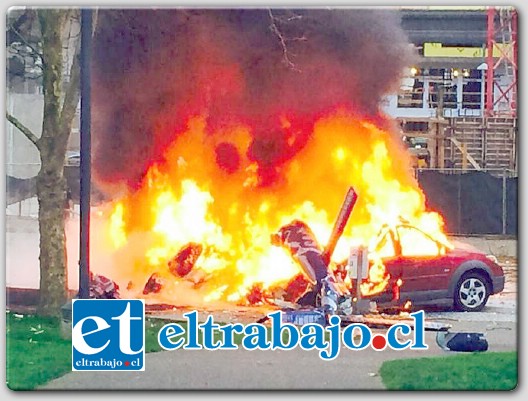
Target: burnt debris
x=102 y=287
x=153 y=285
x=184 y=261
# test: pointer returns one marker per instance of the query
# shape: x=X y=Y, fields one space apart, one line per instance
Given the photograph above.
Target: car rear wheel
x=472 y=292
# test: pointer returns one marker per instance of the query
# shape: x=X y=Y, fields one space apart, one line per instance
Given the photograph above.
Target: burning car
x=436 y=273
x=404 y=266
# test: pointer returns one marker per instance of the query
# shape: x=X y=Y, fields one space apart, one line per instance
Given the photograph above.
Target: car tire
x=472 y=292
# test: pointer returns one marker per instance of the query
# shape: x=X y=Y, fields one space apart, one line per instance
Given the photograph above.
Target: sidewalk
x=240 y=369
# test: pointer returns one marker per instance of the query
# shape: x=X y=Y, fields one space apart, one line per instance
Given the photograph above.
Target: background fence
x=21 y=192
x=473 y=202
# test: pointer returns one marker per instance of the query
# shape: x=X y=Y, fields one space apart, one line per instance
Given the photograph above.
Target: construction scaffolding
x=464 y=143
x=481 y=143
x=501 y=74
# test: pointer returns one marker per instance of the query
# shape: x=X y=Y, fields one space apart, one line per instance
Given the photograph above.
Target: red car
x=458 y=277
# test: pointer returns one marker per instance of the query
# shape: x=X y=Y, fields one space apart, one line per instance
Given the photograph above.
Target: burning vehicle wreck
x=326 y=292
x=403 y=267
x=437 y=273
x=434 y=274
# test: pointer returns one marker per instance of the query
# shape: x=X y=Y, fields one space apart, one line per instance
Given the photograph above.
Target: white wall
x=22 y=252
x=22 y=157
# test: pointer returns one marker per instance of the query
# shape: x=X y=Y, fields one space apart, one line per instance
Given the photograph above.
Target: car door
x=425 y=269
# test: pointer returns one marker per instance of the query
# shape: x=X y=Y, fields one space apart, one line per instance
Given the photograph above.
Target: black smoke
x=152 y=69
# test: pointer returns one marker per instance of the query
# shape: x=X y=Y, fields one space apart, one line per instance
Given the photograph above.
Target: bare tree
x=61 y=98
x=275 y=27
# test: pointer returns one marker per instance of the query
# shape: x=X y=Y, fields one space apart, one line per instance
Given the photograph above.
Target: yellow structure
x=437 y=50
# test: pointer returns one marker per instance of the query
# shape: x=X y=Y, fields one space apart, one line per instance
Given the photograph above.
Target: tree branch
x=20 y=20
x=72 y=96
x=19 y=35
x=275 y=29
x=25 y=130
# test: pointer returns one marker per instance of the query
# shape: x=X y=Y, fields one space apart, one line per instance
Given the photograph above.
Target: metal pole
x=483 y=93
x=340 y=224
x=359 y=275
x=85 y=163
x=460 y=94
x=504 y=210
x=515 y=69
x=425 y=94
x=489 y=61
x=459 y=204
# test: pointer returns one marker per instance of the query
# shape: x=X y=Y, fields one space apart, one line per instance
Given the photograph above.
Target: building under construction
x=457 y=105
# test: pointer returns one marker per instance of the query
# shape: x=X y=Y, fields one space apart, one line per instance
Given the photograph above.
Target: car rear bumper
x=498 y=284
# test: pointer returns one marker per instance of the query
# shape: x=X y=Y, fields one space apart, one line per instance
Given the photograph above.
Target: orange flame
x=189 y=198
x=117 y=226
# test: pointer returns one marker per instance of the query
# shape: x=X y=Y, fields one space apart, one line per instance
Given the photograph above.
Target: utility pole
x=86 y=153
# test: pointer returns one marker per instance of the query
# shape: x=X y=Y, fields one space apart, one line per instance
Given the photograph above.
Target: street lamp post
x=85 y=163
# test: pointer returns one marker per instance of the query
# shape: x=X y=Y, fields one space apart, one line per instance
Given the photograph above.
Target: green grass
x=152 y=326
x=476 y=371
x=35 y=353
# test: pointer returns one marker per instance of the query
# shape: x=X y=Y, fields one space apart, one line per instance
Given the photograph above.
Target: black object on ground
x=462 y=342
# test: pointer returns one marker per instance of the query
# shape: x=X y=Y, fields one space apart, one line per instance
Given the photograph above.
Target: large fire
x=207 y=191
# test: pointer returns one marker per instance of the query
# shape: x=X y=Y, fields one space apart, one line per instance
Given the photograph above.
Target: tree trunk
x=51 y=193
x=60 y=103
x=51 y=185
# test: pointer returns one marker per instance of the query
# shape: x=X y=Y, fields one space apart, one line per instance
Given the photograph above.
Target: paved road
x=295 y=369
x=241 y=369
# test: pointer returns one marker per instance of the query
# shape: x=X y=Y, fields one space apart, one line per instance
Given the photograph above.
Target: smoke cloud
x=153 y=69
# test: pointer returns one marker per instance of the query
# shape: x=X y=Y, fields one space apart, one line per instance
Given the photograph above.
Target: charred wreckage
x=467 y=278
x=326 y=288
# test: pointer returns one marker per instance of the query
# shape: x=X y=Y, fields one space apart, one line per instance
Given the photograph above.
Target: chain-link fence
x=473 y=202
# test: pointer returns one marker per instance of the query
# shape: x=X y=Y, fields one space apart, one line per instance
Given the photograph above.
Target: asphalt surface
x=241 y=369
x=295 y=369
